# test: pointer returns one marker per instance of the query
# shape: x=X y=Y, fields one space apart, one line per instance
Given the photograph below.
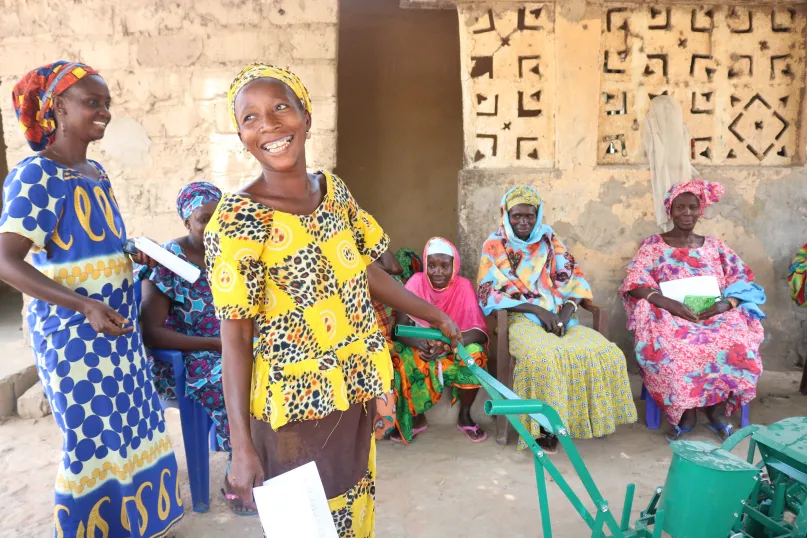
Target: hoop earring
x=308 y=135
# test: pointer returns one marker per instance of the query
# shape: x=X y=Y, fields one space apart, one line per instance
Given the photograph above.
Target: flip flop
x=475 y=429
x=231 y=498
x=678 y=433
x=722 y=432
x=415 y=432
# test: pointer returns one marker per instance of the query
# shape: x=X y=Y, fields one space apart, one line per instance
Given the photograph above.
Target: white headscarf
x=439 y=246
x=666 y=142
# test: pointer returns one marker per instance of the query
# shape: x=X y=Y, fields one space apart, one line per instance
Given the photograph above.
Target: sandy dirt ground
x=440 y=486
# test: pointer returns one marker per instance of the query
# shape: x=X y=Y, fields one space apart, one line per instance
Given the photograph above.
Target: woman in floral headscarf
x=117 y=473
x=526 y=270
x=693 y=359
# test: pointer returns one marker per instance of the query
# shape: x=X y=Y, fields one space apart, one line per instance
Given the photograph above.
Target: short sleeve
x=234 y=241
x=33 y=199
x=371 y=241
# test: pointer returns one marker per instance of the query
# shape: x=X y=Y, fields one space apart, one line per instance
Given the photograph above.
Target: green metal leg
x=627 y=507
x=658 y=527
x=543 y=499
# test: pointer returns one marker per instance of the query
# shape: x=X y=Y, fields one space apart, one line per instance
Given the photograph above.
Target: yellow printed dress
x=321 y=359
x=117 y=477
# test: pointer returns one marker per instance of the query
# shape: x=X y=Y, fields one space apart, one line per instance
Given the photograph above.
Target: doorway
x=400 y=138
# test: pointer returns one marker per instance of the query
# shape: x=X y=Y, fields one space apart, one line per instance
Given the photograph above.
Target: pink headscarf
x=457 y=299
x=708 y=193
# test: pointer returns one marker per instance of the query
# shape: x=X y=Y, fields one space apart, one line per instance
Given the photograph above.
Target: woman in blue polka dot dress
x=118 y=475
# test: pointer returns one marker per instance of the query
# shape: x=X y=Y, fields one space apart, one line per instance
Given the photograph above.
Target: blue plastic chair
x=198 y=430
x=652 y=415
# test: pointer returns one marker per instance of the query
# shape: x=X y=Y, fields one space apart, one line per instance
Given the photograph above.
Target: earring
x=308 y=134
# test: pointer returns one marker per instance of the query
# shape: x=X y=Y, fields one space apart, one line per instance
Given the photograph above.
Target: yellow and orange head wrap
x=260 y=70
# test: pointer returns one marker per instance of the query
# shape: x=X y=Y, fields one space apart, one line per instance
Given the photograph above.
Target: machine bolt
x=658 y=490
x=562 y=431
x=604 y=507
x=743 y=501
x=471 y=361
x=756 y=478
x=736 y=514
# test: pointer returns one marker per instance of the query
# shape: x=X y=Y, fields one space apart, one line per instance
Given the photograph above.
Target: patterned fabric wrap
x=194 y=195
x=419 y=383
x=523 y=194
x=117 y=473
x=796 y=277
x=582 y=375
x=303 y=278
x=33 y=99
x=255 y=71
x=707 y=193
x=191 y=312
x=688 y=365
x=537 y=271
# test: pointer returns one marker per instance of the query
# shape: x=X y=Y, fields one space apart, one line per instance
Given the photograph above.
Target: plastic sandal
x=415 y=432
x=723 y=431
x=678 y=433
x=475 y=429
x=229 y=497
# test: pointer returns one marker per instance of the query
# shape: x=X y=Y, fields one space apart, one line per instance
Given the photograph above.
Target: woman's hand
x=566 y=313
x=449 y=330
x=104 y=319
x=678 y=309
x=551 y=321
x=718 y=308
x=142 y=259
x=246 y=472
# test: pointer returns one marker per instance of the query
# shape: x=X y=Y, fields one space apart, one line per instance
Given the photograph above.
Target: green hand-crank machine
x=709 y=492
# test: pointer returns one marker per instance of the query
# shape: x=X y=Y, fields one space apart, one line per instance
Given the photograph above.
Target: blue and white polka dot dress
x=118 y=474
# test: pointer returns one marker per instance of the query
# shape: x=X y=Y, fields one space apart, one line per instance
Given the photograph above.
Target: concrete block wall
x=168 y=65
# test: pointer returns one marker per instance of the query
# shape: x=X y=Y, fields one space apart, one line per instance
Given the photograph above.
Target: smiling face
x=272 y=124
x=685 y=211
x=522 y=219
x=83 y=110
x=439 y=269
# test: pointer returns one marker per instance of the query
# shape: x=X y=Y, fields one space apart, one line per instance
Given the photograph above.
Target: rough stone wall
x=603 y=211
x=168 y=65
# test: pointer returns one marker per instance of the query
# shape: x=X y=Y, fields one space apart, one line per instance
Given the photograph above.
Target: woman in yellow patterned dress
x=293 y=254
x=526 y=270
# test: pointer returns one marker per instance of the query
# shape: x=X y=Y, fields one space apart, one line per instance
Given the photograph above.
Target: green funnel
x=705 y=490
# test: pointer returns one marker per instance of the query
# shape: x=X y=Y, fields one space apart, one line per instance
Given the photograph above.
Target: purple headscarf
x=194 y=195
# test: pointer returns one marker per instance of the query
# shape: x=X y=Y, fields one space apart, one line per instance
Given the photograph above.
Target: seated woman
x=690 y=360
x=526 y=270
x=424 y=368
x=178 y=315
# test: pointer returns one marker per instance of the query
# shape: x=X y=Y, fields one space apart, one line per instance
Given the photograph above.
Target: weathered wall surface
x=168 y=66
x=602 y=211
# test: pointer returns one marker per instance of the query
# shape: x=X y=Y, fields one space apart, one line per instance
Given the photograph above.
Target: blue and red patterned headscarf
x=194 y=195
x=33 y=99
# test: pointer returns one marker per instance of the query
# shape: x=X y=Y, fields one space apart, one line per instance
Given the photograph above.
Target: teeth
x=101 y=123
x=278 y=145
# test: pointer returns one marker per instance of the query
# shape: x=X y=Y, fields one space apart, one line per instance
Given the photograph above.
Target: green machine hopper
x=709 y=492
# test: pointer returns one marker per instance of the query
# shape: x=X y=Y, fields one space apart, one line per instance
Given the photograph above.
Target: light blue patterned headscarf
x=194 y=195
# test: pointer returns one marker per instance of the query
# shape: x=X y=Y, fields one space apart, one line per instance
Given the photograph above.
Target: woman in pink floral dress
x=690 y=360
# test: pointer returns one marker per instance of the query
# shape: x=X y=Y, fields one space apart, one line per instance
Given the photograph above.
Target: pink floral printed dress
x=689 y=365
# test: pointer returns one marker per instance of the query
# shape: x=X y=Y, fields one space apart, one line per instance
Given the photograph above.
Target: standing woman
x=293 y=254
x=117 y=474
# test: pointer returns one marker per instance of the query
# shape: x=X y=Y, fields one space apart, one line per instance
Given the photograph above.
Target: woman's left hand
x=449 y=330
x=142 y=259
x=715 y=310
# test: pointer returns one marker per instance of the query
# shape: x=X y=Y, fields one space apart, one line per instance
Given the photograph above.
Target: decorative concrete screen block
x=736 y=71
x=508 y=85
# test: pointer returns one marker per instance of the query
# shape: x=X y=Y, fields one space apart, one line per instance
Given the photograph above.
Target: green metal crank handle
x=409 y=331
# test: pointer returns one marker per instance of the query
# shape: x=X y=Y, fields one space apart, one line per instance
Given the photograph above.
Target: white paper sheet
x=702 y=286
x=294 y=505
x=167 y=259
